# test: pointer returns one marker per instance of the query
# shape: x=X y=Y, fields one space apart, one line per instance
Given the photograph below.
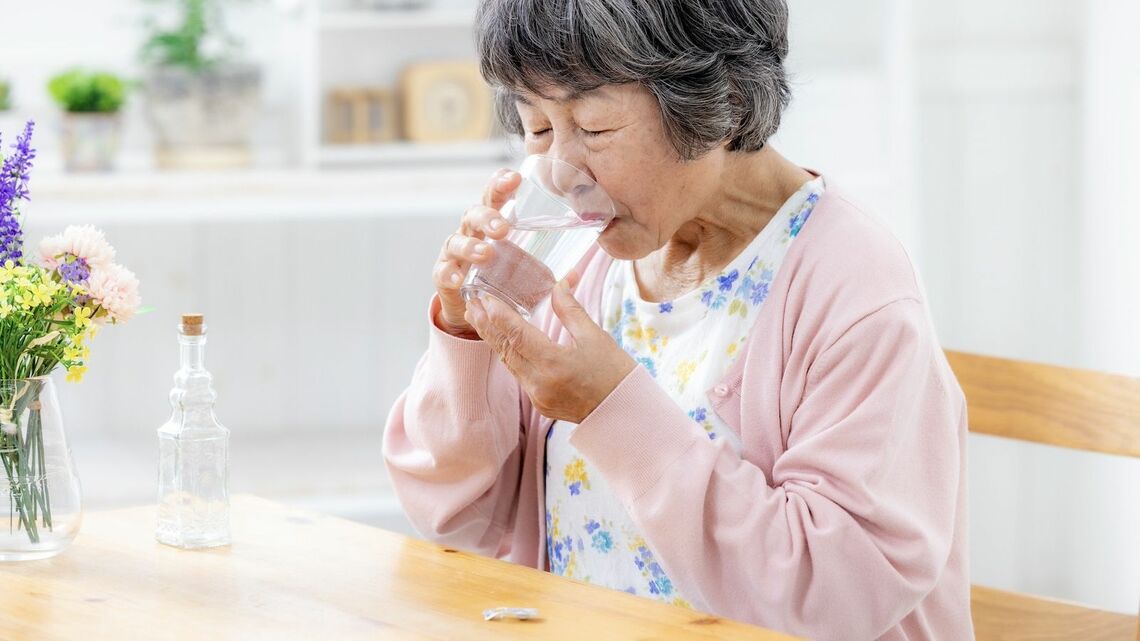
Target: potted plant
x=91 y=101
x=200 y=101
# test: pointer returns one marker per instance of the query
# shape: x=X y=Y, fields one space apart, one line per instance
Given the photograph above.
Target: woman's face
x=615 y=134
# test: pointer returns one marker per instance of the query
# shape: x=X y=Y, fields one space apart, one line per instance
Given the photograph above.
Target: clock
x=445 y=101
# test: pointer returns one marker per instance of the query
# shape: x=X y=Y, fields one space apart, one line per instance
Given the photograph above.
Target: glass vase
x=41 y=508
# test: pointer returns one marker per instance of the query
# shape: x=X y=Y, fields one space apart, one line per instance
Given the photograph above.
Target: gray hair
x=716 y=67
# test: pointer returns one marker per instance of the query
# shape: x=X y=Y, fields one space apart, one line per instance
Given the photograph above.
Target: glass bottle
x=193 y=471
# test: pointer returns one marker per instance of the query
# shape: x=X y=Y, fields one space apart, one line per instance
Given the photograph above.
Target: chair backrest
x=1064 y=407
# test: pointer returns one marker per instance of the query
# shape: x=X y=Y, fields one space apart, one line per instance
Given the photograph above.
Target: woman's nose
x=569 y=179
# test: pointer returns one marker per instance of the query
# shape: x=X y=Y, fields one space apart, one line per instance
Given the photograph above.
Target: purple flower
x=14 y=187
x=74 y=270
x=665 y=307
x=759 y=292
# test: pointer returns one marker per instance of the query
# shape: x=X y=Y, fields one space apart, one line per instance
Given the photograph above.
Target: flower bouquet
x=49 y=311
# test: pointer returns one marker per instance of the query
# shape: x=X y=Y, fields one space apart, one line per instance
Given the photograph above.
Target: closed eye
x=541 y=132
x=595 y=133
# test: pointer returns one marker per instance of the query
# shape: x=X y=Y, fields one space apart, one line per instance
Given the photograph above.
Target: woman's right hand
x=467 y=247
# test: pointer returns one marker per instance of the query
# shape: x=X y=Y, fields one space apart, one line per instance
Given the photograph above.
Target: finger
x=499 y=190
x=462 y=248
x=480 y=220
x=519 y=343
x=572 y=279
x=448 y=277
x=573 y=316
x=449 y=274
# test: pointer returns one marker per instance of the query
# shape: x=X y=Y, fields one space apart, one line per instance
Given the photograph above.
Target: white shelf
x=156 y=197
x=396 y=19
x=404 y=152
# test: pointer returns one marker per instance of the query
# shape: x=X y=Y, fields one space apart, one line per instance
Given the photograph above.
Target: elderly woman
x=739 y=403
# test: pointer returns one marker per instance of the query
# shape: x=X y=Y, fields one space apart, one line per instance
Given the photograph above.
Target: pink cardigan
x=846 y=516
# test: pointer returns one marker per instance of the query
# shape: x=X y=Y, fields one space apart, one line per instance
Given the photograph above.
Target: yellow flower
x=75 y=352
x=82 y=316
x=7 y=272
x=576 y=472
x=635 y=333
x=683 y=372
x=75 y=373
x=25 y=299
x=85 y=336
x=42 y=295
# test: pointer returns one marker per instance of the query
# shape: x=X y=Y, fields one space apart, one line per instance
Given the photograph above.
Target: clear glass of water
x=555 y=215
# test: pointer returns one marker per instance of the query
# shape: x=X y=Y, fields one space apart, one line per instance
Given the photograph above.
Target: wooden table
x=292 y=574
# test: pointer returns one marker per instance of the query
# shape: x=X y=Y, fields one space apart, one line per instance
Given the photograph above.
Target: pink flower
x=82 y=241
x=116 y=289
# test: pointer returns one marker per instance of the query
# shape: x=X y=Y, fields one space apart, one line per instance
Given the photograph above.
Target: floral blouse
x=688 y=345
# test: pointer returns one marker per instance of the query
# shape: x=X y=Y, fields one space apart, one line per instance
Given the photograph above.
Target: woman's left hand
x=565 y=382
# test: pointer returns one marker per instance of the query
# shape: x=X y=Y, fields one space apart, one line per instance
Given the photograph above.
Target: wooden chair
x=1070 y=408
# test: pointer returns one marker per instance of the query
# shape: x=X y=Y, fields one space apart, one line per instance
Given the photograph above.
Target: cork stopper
x=193 y=324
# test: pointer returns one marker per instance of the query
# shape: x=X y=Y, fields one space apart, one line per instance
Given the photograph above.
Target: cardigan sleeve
x=453 y=445
x=856 y=522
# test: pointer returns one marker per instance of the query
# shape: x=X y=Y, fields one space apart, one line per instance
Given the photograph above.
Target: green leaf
x=80 y=91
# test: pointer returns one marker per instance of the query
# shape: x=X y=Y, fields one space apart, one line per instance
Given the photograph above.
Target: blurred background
x=290 y=167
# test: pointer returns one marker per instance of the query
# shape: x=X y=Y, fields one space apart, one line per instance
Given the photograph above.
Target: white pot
x=91 y=141
x=203 y=120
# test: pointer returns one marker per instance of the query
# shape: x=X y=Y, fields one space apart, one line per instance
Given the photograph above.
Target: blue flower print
x=602 y=541
x=745 y=288
x=648 y=363
x=662 y=586
x=725 y=282
x=665 y=307
x=797 y=222
x=759 y=293
x=706 y=297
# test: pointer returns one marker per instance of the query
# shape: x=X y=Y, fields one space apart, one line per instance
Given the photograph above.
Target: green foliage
x=80 y=91
x=199 y=40
x=5 y=95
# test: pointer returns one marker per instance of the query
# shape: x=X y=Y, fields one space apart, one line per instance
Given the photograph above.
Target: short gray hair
x=716 y=67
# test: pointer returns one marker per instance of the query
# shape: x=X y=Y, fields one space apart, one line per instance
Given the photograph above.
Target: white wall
x=1013 y=126
x=1029 y=153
